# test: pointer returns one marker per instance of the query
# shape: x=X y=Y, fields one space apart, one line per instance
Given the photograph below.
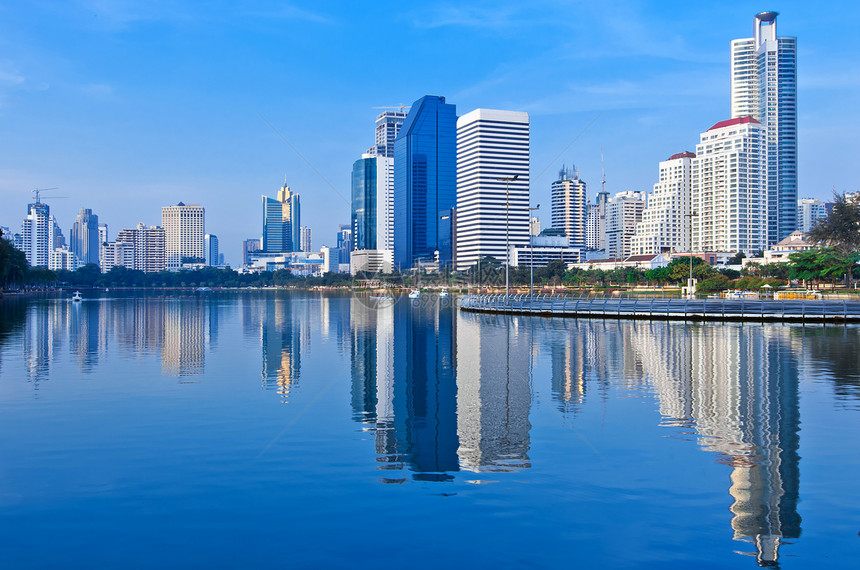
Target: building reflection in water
x=441 y=391
x=494 y=392
x=583 y=354
x=179 y=330
x=185 y=336
x=737 y=386
x=833 y=350
x=281 y=340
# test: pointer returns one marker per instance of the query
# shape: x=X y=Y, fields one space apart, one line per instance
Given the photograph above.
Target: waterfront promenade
x=812 y=311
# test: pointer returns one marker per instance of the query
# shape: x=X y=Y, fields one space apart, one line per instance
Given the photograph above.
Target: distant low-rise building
x=302 y=263
x=371 y=261
x=553 y=244
x=781 y=252
x=809 y=211
x=640 y=262
x=62 y=258
x=116 y=254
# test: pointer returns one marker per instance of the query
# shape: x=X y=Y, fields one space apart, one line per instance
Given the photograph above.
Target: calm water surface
x=278 y=430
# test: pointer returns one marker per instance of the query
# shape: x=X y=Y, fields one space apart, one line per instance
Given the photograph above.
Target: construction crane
x=38 y=191
x=400 y=107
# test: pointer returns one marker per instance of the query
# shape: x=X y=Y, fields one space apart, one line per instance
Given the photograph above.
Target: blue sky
x=128 y=106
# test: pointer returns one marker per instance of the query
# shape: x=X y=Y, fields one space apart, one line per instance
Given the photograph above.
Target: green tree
x=713 y=284
x=88 y=275
x=679 y=268
x=633 y=276
x=835 y=264
x=730 y=273
x=555 y=271
x=13 y=263
x=659 y=275
x=736 y=259
x=40 y=276
x=804 y=265
x=840 y=230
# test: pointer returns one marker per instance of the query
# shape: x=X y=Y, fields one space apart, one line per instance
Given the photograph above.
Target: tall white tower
x=729 y=188
x=623 y=212
x=184 y=230
x=764 y=86
x=38 y=234
x=491 y=145
x=665 y=224
x=569 y=206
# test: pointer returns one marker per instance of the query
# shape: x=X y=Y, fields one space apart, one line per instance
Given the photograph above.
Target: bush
x=714 y=284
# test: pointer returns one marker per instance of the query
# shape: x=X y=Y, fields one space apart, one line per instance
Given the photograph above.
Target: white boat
x=415 y=294
x=76 y=298
x=443 y=294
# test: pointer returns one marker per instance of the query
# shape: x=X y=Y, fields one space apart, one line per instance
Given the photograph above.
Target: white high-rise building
x=149 y=247
x=184 y=229
x=623 y=212
x=116 y=254
x=491 y=146
x=729 y=188
x=63 y=259
x=38 y=233
x=809 y=211
x=387 y=128
x=595 y=222
x=764 y=86
x=305 y=238
x=569 y=208
x=665 y=224
x=103 y=239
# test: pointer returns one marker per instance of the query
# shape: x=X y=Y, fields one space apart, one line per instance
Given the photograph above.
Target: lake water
x=279 y=430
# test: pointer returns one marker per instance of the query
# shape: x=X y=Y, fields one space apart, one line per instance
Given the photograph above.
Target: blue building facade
x=425 y=183
x=364 y=214
x=281 y=222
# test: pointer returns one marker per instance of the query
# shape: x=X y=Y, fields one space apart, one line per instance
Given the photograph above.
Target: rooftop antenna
x=603 y=169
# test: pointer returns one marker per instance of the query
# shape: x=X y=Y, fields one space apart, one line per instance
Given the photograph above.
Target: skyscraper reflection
x=185 y=334
x=494 y=392
x=281 y=340
x=440 y=390
x=737 y=386
x=85 y=321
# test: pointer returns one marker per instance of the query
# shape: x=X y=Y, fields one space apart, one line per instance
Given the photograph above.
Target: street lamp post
x=507 y=180
x=691 y=215
x=532 y=256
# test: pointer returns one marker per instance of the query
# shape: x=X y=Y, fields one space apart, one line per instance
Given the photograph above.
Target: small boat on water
x=415 y=294
x=380 y=296
x=76 y=298
x=443 y=294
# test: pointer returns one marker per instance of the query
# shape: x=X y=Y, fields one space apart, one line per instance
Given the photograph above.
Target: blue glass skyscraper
x=364 y=214
x=425 y=182
x=281 y=222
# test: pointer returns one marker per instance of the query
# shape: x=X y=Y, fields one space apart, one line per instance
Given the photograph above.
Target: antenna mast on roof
x=602 y=168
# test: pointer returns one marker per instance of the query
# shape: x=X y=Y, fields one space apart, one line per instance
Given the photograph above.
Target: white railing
x=682 y=309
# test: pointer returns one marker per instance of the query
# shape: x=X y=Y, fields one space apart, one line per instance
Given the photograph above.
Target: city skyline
x=153 y=128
